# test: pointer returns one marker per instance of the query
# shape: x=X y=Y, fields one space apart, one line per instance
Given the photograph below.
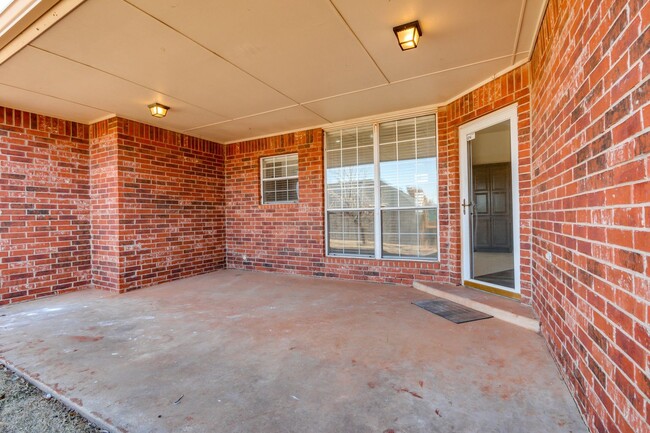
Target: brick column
x=105 y=210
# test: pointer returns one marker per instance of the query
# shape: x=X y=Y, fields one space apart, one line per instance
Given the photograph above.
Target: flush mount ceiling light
x=158 y=110
x=408 y=35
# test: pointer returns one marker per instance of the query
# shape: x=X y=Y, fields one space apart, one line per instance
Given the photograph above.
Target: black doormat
x=451 y=311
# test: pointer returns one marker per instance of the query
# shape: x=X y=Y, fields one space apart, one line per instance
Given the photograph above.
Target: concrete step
x=505 y=309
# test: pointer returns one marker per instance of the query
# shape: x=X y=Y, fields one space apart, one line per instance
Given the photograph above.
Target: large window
x=280 y=179
x=381 y=190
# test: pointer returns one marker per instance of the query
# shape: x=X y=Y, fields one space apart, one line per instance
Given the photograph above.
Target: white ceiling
x=248 y=68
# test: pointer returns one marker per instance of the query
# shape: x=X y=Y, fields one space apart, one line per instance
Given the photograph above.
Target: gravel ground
x=25 y=409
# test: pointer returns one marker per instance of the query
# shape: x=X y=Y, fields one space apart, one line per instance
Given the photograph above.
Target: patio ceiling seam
x=520 y=23
x=56 y=97
x=123 y=79
x=340 y=15
x=220 y=57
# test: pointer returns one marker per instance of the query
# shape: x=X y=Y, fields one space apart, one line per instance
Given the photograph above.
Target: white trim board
x=507 y=113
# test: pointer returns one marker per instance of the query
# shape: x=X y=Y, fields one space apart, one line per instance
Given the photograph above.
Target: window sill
x=275 y=203
x=382 y=259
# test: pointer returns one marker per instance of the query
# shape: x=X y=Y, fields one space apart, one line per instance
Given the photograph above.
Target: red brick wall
x=118 y=204
x=44 y=206
x=171 y=205
x=291 y=237
x=158 y=205
x=591 y=195
x=104 y=216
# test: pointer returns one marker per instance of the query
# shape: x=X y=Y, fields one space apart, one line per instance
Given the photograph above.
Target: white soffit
x=289 y=119
x=530 y=23
x=302 y=48
x=37 y=103
x=128 y=43
x=48 y=74
x=236 y=70
x=406 y=94
x=455 y=33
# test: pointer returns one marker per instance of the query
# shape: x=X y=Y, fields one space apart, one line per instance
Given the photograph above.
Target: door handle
x=466 y=205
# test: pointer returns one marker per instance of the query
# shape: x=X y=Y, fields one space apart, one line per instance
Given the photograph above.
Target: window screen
x=382 y=186
x=280 y=179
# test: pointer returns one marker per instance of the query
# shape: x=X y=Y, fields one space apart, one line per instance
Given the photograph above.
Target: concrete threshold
x=505 y=309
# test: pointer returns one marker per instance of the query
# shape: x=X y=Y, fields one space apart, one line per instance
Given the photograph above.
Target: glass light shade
x=158 y=110
x=408 y=35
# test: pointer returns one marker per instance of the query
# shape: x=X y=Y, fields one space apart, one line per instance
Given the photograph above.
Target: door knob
x=466 y=205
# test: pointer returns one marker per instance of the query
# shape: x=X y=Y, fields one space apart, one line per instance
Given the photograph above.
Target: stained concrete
x=256 y=352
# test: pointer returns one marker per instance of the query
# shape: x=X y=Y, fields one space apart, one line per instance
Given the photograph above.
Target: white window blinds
x=381 y=184
x=280 y=179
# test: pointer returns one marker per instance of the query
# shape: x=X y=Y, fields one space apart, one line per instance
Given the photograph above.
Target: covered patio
x=239 y=351
x=238 y=202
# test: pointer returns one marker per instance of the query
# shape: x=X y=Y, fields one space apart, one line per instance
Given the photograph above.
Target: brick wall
x=104 y=194
x=158 y=205
x=118 y=204
x=291 y=237
x=171 y=205
x=44 y=206
x=591 y=195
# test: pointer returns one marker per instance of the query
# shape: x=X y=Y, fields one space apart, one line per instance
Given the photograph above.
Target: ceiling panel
x=302 y=48
x=454 y=33
x=406 y=94
x=288 y=119
x=249 y=68
x=36 y=103
x=131 y=44
x=530 y=24
x=74 y=82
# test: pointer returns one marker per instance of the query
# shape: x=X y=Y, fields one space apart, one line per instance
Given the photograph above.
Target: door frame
x=507 y=113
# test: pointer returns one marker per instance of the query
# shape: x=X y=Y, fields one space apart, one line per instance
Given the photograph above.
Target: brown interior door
x=492 y=208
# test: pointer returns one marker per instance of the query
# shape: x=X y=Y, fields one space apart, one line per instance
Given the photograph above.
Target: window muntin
x=389 y=195
x=279 y=179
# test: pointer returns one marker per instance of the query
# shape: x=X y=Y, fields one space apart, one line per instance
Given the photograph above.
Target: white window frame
x=377 y=208
x=283 y=156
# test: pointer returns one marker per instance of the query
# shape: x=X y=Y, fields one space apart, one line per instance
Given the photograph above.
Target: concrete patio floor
x=258 y=352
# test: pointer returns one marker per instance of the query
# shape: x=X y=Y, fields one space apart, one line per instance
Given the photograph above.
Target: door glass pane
x=491 y=214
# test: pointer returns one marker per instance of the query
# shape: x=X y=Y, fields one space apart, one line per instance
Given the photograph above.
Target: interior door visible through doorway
x=490 y=210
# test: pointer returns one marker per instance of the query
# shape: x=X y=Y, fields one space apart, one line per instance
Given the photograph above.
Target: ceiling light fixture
x=408 y=35
x=158 y=110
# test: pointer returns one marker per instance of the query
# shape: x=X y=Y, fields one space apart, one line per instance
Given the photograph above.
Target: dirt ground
x=25 y=409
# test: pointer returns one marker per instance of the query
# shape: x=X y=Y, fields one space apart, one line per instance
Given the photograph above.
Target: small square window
x=279 y=179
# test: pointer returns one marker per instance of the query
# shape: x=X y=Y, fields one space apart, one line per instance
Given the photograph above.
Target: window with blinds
x=279 y=179
x=382 y=190
x=350 y=187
